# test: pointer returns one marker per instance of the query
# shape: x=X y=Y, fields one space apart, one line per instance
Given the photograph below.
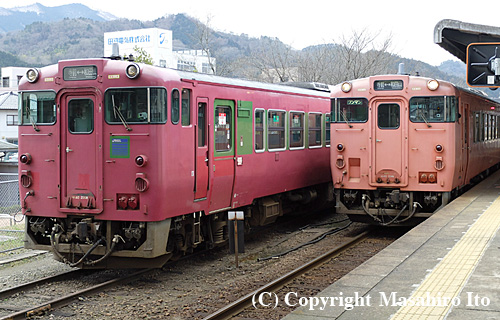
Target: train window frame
x=144 y=117
x=389 y=126
x=262 y=130
x=449 y=114
x=24 y=117
x=175 y=111
x=361 y=109
x=293 y=115
x=74 y=115
x=283 y=130
x=315 y=130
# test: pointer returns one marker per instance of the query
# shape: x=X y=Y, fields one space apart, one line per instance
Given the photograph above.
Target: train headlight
x=133 y=70
x=25 y=158
x=340 y=147
x=433 y=85
x=346 y=87
x=439 y=148
x=32 y=75
x=141 y=160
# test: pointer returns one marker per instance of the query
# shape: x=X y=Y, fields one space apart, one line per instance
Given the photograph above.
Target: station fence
x=11 y=219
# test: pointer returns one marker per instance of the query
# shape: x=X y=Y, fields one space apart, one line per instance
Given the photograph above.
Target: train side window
x=81 y=116
x=327 y=129
x=175 y=111
x=296 y=130
x=276 y=130
x=158 y=109
x=259 y=130
x=186 y=107
x=388 y=116
x=315 y=120
x=223 y=127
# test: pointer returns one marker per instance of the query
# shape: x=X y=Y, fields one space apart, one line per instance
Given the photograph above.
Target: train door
x=201 y=162
x=389 y=160
x=223 y=164
x=81 y=170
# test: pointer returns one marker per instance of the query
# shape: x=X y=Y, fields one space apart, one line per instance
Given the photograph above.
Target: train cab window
x=315 y=120
x=327 y=128
x=186 y=107
x=433 y=109
x=81 y=116
x=388 y=116
x=223 y=127
x=350 y=110
x=136 y=105
x=175 y=111
x=37 y=108
x=259 y=130
x=296 y=130
x=276 y=130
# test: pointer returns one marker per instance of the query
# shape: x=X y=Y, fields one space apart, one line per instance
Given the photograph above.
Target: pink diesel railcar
x=403 y=146
x=126 y=165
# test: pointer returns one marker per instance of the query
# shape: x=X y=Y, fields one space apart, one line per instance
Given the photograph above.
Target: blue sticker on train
x=120 y=147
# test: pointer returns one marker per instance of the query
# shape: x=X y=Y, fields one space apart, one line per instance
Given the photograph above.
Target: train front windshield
x=433 y=109
x=136 y=105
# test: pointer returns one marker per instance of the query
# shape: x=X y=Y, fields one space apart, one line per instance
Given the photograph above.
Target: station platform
x=448 y=267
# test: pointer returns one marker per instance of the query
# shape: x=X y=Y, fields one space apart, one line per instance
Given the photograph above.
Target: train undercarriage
x=87 y=242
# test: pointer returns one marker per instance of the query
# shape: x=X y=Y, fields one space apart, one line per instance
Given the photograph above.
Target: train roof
x=309 y=88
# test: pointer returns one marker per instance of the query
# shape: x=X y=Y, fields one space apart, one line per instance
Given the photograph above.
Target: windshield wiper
x=32 y=121
x=345 y=118
x=423 y=118
x=118 y=113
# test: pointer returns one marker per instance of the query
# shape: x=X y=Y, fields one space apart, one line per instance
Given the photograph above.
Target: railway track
x=245 y=302
x=64 y=299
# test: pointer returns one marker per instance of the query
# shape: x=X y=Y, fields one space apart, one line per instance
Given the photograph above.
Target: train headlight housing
x=340 y=147
x=346 y=87
x=32 y=75
x=433 y=85
x=439 y=148
x=133 y=71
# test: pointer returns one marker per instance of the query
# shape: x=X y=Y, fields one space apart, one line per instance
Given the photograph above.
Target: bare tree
x=360 y=55
x=275 y=61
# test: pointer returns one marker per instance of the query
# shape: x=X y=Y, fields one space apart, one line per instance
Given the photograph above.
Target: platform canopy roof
x=454 y=36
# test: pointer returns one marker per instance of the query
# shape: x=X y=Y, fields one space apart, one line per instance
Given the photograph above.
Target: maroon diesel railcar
x=125 y=165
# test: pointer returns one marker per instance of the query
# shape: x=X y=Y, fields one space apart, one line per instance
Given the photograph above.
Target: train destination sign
x=80 y=73
x=381 y=85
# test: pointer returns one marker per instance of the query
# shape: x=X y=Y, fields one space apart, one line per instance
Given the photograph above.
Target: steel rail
x=65 y=300
x=239 y=305
x=7 y=293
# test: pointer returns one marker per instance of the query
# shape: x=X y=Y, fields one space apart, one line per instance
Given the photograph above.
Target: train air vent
x=141 y=183
x=439 y=165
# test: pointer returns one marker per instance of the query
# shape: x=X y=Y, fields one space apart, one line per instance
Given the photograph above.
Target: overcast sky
x=304 y=23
